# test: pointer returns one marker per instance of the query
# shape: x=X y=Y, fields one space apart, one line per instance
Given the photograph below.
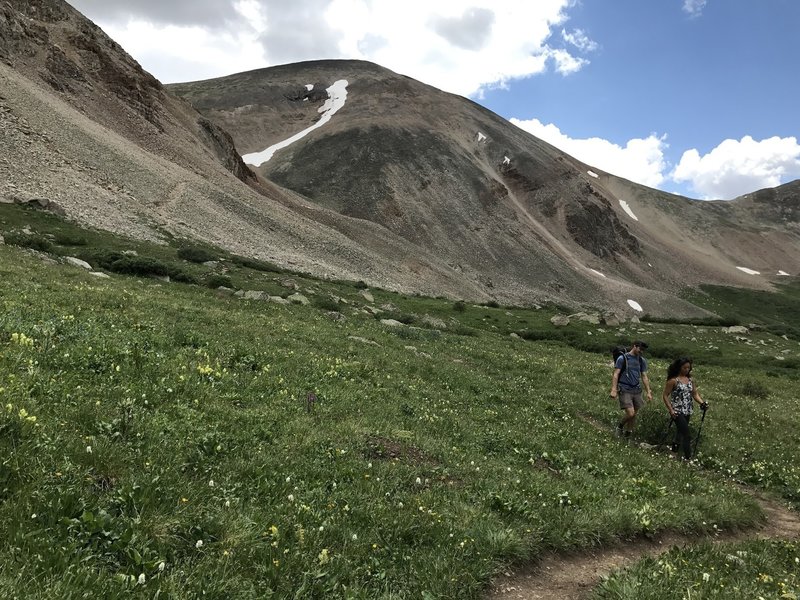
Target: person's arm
x=668 y=387
x=696 y=395
x=614 y=382
x=646 y=382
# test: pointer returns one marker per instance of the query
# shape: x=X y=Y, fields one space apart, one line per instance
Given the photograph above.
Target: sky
x=695 y=97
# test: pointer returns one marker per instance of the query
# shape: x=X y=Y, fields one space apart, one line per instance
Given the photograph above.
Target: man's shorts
x=630 y=400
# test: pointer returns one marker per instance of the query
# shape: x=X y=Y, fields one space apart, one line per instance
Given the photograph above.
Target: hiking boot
x=673 y=447
x=627 y=434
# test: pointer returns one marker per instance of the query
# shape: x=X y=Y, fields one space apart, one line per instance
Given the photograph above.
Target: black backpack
x=618 y=351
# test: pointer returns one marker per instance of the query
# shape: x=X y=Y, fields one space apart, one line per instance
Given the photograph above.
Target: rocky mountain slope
x=404 y=187
x=494 y=202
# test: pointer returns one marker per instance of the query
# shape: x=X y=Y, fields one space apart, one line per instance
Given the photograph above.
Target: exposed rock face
x=222 y=144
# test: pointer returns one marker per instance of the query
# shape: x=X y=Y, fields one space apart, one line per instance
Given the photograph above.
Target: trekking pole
x=703 y=407
x=665 y=432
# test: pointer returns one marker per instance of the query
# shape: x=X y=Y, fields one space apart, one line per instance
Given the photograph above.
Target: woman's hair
x=674 y=368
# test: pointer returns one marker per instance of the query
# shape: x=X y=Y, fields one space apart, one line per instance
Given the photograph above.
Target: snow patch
x=635 y=305
x=783 y=274
x=748 y=271
x=481 y=137
x=309 y=87
x=628 y=210
x=592 y=174
x=337 y=95
x=598 y=272
x=506 y=160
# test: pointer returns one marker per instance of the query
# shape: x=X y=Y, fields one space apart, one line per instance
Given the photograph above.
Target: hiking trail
x=573 y=576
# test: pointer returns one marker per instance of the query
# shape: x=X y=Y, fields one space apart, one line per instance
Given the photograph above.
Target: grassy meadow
x=161 y=439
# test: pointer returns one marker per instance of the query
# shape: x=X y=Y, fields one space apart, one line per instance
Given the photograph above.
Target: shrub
x=325 y=304
x=255 y=264
x=67 y=239
x=459 y=306
x=215 y=281
x=33 y=241
x=196 y=254
x=144 y=266
x=753 y=388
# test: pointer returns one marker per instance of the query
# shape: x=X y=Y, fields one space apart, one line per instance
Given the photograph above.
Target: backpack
x=618 y=351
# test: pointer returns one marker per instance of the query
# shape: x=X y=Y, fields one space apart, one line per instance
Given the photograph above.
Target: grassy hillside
x=158 y=437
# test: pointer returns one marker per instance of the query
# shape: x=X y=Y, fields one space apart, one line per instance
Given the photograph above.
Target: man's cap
x=641 y=344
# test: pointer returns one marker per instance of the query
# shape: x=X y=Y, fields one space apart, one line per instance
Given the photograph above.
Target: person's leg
x=629 y=412
x=636 y=404
x=683 y=436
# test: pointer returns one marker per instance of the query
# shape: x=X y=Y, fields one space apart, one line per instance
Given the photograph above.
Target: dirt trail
x=574 y=576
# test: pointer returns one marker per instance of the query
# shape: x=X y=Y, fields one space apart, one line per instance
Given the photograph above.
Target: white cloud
x=640 y=160
x=462 y=46
x=579 y=39
x=736 y=167
x=694 y=8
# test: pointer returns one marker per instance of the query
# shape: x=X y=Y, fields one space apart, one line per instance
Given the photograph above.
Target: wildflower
x=198 y=544
x=355 y=537
x=211 y=483
x=88 y=449
x=419 y=481
x=227 y=503
x=274 y=531
x=291 y=497
x=323 y=557
x=161 y=566
x=706 y=577
x=141 y=579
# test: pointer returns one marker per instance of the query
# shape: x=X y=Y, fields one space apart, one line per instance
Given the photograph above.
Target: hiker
x=630 y=372
x=680 y=393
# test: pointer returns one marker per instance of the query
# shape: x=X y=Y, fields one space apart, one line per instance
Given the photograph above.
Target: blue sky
x=691 y=96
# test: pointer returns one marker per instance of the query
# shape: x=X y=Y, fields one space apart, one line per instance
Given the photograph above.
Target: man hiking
x=630 y=372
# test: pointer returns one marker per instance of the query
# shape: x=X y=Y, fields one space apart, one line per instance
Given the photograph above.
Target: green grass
x=173 y=438
x=756 y=569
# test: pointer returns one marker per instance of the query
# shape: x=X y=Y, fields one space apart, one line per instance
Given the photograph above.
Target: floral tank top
x=681 y=397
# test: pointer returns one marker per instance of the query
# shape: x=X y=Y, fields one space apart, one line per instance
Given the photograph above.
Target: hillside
x=159 y=438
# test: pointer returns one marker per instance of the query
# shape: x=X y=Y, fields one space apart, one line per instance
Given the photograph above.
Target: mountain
x=397 y=184
x=497 y=204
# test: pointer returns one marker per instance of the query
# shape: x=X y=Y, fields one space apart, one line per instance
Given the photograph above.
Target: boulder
x=735 y=329
x=290 y=284
x=560 y=320
x=77 y=262
x=611 y=320
x=367 y=296
x=255 y=295
x=298 y=299
x=335 y=316
x=434 y=322
x=279 y=300
x=362 y=340
x=391 y=323
x=100 y=275
x=2 y=240
x=224 y=291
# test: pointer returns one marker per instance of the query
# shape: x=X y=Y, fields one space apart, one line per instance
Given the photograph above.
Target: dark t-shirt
x=630 y=380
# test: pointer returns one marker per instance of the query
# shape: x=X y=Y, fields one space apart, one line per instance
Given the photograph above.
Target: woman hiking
x=680 y=393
